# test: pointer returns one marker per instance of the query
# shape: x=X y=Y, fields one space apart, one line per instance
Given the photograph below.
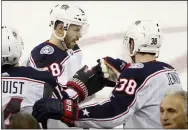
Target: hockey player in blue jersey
x=140 y=85
x=61 y=55
x=22 y=86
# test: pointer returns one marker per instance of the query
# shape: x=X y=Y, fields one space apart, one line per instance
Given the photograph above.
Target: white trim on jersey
x=32 y=61
x=66 y=58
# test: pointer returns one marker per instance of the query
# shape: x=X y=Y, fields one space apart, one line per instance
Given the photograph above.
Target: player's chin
x=168 y=126
x=71 y=45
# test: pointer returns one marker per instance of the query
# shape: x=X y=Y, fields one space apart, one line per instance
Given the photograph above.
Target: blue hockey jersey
x=62 y=64
x=135 y=100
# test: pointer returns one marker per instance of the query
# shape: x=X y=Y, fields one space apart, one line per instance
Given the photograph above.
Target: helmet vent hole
x=56 y=5
x=9 y=48
x=14 y=59
x=8 y=37
x=51 y=11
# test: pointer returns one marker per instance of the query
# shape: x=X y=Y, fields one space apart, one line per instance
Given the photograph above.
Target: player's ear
x=131 y=45
x=60 y=29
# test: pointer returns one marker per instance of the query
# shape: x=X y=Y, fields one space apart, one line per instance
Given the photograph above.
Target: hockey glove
x=86 y=83
x=112 y=68
x=104 y=72
x=65 y=110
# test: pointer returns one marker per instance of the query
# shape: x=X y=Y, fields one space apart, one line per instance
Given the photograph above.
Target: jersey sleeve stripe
x=31 y=59
x=75 y=96
x=94 y=104
x=65 y=60
x=54 y=95
x=76 y=51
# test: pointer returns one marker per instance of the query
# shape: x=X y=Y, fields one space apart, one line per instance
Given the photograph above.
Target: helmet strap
x=133 y=59
x=157 y=55
x=60 y=38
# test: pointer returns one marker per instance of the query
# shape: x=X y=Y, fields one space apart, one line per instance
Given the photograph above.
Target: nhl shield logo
x=47 y=50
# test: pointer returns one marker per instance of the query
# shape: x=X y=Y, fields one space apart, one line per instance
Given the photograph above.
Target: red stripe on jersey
x=65 y=60
x=77 y=51
x=31 y=59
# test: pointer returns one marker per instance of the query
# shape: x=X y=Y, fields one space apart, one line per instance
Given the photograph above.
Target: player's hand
x=86 y=83
x=110 y=68
x=106 y=73
x=47 y=108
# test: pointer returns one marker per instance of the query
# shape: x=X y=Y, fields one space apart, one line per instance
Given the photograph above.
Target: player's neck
x=144 y=57
x=16 y=65
x=57 y=42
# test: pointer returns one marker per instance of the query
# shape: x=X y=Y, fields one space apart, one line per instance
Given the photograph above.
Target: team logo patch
x=47 y=50
x=137 y=65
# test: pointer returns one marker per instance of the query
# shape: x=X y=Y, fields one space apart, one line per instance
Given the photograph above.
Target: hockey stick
x=48 y=90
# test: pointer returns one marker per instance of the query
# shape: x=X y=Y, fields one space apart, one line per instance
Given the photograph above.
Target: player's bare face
x=73 y=35
x=172 y=114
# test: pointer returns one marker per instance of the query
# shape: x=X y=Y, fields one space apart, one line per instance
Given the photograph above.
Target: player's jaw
x=71 y=44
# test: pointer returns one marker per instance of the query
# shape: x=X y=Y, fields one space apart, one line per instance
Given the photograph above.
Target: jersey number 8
x=54 y=68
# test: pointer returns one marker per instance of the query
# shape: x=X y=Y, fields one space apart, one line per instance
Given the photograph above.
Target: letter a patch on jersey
x=47 y=50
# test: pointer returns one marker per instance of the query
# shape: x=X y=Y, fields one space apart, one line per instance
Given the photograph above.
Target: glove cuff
x=80 y=87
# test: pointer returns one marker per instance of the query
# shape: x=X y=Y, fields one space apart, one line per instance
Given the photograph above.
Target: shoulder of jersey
x=44 y=49
x=143 y=70
x=46 y=54
x=32 y=73
x=156 y=65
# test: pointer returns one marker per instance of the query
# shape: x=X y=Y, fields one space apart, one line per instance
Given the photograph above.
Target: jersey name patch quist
x=47 y=50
